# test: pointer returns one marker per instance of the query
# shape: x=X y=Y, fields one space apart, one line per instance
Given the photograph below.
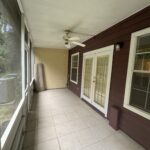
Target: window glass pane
x=26 y=35
x=138 y=98
x=148 y=103
x=139 y=62
x=140 y=81
x=30 y=63
x=143 y=43
x=74 y=74
x=75 y=61
x=10 y=61
x=74 y=65
x=142 y=62
x=139 y=93
x=26 y=65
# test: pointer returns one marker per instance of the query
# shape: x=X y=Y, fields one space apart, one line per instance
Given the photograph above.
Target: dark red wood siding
x=134 y=125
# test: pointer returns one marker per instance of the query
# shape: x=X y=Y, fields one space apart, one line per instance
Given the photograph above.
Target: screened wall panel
x=10 y=60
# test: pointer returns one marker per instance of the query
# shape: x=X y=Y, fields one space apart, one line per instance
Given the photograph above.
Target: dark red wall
x=134 y=125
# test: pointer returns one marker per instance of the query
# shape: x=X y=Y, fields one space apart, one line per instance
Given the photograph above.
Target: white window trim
x=75 y=82
x=130 y=70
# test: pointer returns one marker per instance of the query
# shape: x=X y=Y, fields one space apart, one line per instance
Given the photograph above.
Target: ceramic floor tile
x=86 y=138
x=78 y=124
x=70 y=142
x=28 y=148
x=111 y=143
x=57 y=111
x=72 y=116
x=31 y=125
x=59 y=120
x=29 y=139
x=126 y=140
x=96 y=146
x=45 y=134
x=45 y=122
x=101 y=132
x=64 y=129
x=39 y=135
x=47 y=145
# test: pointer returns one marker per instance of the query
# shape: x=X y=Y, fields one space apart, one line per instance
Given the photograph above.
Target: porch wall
x=134 y=125
x=55 y=66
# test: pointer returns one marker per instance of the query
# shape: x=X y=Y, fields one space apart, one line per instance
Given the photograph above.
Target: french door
x=96 y=77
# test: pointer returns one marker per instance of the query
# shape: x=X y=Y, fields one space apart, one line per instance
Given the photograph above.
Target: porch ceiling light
x=118 y=46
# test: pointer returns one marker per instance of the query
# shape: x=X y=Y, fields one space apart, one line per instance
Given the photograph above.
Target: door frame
x=109 y=50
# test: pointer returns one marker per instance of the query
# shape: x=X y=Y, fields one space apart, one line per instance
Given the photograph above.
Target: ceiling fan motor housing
x=66 y=42
x=71 y=40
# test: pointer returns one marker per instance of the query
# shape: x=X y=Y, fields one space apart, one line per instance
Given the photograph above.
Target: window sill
x=137 y=111
x=73 y=82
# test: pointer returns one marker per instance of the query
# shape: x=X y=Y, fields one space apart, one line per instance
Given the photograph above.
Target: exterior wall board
x=134 y=125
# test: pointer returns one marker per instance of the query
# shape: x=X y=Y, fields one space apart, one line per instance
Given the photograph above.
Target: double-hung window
x=74 y=68
x=137 y=94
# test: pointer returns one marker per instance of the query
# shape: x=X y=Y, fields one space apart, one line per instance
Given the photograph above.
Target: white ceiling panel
x=47 y=19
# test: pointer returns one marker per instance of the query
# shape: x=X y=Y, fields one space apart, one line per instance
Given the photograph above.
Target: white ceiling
x=47 y=19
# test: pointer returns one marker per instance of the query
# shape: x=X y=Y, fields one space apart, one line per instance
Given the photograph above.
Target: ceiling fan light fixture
x=67 y=45
x=71 y=40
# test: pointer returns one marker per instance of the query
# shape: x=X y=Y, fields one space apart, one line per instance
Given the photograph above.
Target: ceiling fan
x=71 y=40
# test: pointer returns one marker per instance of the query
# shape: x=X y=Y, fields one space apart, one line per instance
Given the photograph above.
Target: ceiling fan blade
x=74 y=38
x=78 y=43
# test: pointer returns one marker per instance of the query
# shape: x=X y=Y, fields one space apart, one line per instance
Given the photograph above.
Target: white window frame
x=75 y=54
x=130 y=70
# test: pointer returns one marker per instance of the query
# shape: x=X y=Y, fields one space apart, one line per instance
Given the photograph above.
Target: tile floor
x=59 y=120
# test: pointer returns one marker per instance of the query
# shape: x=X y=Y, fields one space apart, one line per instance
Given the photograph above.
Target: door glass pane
x=101 y=80
x=88 y=76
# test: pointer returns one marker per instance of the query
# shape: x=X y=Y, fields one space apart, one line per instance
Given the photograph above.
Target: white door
x=97 y=66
